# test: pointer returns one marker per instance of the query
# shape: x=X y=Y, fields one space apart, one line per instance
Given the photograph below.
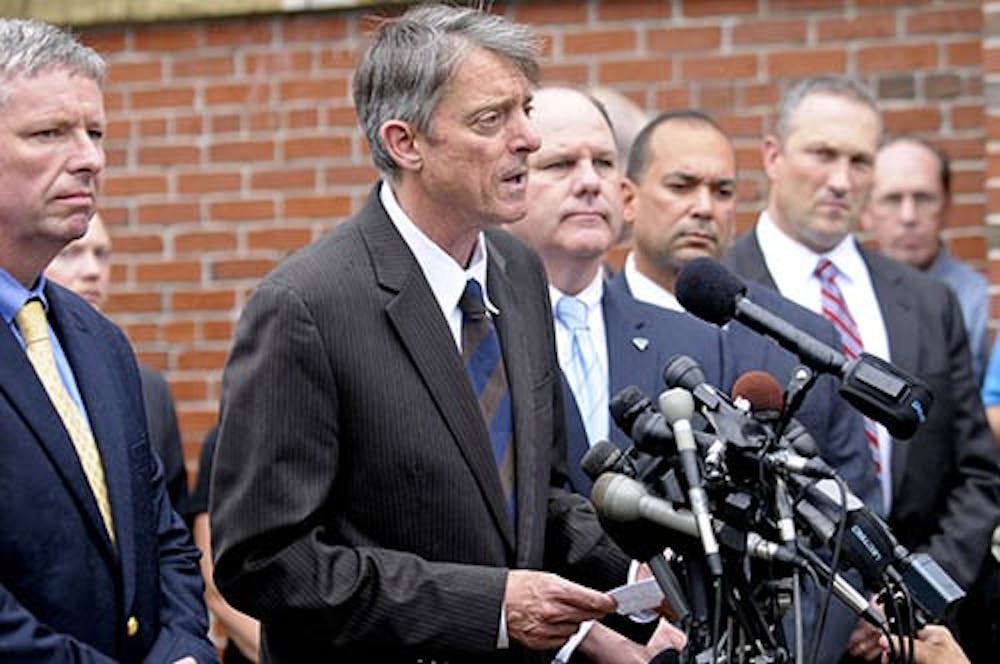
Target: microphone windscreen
x=761 y=390
x=708 y=290
x=600 y=458
x=627 y=405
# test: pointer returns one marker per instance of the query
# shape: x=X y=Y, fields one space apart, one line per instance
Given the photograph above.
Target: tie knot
x=31 y=321
x=471 y=303
x=572 y=312
x=825 y=270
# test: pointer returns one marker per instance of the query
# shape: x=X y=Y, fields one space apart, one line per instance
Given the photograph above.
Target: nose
x=525 y=138
x=701 y=204
x=88 y=154
x=840 y=177
x=908 y=209
x=588 y=181
x=90 y=265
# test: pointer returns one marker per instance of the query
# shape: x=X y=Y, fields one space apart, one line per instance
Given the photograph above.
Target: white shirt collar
x=646 y=290
x=788 y=259
x=591 y=295
x=444 y=275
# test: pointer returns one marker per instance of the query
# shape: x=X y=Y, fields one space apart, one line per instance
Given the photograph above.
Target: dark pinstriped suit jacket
x=945 y=480
x=356 y=507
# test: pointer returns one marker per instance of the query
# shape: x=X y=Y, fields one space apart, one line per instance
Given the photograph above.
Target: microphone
x=602 y=457
x=873 y=386
x=677 y=405
x=762 y=392
x=621 y=498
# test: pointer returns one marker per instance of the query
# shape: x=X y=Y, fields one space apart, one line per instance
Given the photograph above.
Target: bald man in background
x=84 y=267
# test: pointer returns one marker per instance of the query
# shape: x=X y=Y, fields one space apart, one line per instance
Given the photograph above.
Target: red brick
x=238 y=93
x=721 y=66
x=770 y=32
x=203 y=67
x=343 y=116
x=912 y=120
x=242 y=268
x=716 y=97
x=225 y=123
x=962 y=148
x=313 y=88
x=154 y=359
x=965 y=54
x=236 y=33
x=966 y=214
x=284 y=178
x=130 y=185
x=673 y=98
x=271 y=63
x=168 y=271
x=241 y=210
x=132 y=302
x=105 y=41
x=570 y=74
x=718 y=7
x=742 y=125
x=967 y=117
x=205 y=183
x=136 y=243
x=560 y=12
x=282 y=239
x=967 y=182
x=179 y=332
x=200 y=241
x=317 y=206
x=968 y=247
x=203 y=299
x=632 y=10
x=655 y=70
x=189 y=124
x=217 y=330
x=313 y=28
x=317 y=146
x=350 y=175
x=168 y=213
x=684 y=39
x=804 y=5
x=201 y=359
x=303 y=118
x=115 y=158
x=131 y=72
x=898 y=57
x=113 y=101
x=748 y=159
x=188 y=389
x=760 y=94
x=171 y=97
x=866 y=26
x=153 y=127
x=265 y=121
x=338 y=58
x=117 y=130
x=199 y=421
x=810 y=63
x=139 y=333
x=599 y=41
x=242 y=151
x=161 y=37
x=945 y=21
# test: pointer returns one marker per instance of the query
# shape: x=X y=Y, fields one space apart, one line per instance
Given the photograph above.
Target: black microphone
x=875 y=387
x=602 y=457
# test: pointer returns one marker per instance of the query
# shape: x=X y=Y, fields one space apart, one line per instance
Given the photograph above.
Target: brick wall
x=233 y=142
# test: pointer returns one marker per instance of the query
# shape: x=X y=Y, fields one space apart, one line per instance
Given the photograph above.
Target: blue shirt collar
x=13 y=295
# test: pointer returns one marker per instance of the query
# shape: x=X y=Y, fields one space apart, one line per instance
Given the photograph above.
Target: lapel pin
x=641 y=343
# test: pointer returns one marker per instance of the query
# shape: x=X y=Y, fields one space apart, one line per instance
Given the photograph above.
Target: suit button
x=132 y=626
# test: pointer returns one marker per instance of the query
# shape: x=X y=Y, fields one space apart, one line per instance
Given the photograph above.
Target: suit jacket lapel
x=901 y=324
x=746 y=259
x=416 y=316
x=630 y=353
x=26 y=393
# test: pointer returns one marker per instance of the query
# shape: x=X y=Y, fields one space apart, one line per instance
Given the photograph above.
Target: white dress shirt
x=791 y=264
x=646 y=290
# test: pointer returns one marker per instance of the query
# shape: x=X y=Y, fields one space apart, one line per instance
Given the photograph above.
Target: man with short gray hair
x=389 y=473
x=96 y=565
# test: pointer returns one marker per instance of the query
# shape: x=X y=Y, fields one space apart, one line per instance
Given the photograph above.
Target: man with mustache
x=96 y=567
x=942 y=487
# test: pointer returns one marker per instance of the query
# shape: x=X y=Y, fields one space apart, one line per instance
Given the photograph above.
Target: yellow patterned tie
x=35 y=330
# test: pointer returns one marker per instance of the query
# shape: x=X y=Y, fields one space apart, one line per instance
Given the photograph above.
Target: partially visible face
x=908 y=203
x=683 y=206
x=474 y=160
x=821 y=176
x=574 y=186
x=51 y=159
x=84 y=265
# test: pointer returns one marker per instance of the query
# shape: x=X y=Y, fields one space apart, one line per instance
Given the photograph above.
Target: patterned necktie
x=836 y=311
x=583 y=372
x=484 y=364
x=35 y=331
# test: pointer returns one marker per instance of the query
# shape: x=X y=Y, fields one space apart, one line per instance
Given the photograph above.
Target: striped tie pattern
x=484 y=364
x=835 y=310
x=583 y=372
x=35 y=331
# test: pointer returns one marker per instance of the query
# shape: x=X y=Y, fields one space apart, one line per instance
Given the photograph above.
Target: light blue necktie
x=583 y=373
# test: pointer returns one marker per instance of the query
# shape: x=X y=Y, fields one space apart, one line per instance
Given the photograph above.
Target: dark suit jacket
x=66 y=594
x=164 y=435
x=946 y=479
x=356 y=507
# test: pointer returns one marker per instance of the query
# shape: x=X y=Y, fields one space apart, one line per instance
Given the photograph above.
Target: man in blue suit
x=96 y=565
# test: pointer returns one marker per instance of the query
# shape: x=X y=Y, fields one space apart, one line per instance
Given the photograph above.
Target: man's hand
x=603 y=645
x=544 y=610
x=864 y=641
x=934 y=645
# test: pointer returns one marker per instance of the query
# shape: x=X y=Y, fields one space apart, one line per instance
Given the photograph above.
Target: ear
x=400 y=140
x=630 y=200
x=770 y=152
